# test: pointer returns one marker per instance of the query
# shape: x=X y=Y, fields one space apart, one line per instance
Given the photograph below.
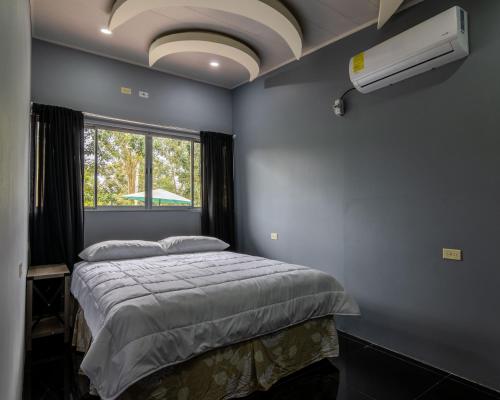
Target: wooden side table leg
x=66 y=309
x=72 y=311
x=29 y=313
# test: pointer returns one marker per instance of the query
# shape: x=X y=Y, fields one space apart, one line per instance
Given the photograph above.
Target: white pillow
x=192 y=244
x=121 y=249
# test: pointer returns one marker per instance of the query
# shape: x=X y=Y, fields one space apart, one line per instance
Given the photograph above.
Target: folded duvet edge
x=173 y=364
x=348 y=307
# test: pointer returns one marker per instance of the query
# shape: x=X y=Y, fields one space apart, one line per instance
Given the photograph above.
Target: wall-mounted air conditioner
x=431 y=44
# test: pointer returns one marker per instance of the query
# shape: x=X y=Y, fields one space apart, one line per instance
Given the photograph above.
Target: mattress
x=148 y=314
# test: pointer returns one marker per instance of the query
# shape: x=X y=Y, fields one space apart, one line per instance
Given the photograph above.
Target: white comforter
x=147 y=314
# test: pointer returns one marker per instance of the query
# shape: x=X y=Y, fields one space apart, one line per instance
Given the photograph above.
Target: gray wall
x=85 y=82
x=15 y=43
x=145 y=225
x=375 y=196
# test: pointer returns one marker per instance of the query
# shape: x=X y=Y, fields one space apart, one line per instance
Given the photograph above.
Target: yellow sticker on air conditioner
x=358 y=63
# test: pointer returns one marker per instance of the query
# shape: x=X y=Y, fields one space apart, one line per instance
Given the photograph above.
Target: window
x=130 y=169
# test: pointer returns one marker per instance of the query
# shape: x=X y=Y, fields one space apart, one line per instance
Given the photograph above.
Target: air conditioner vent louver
x=408 y=68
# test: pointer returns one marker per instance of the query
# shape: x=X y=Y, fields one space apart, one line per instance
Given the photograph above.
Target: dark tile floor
x=362 y=372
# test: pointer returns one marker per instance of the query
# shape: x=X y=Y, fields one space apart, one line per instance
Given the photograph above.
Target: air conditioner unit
x=431 y=44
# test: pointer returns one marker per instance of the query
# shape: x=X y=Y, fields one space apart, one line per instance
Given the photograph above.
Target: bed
x=153 y=320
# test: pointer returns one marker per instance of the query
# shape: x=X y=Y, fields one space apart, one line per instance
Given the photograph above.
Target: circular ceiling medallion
x=205 y=42
x=271 y=13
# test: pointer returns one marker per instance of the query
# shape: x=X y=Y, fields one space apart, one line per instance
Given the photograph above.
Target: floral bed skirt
x=233 y=371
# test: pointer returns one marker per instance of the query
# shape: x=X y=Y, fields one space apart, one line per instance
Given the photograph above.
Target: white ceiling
x=77 y=24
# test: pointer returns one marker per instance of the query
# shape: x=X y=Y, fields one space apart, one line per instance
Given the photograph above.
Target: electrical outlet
x=143 y=94
x=452 y=254
x=126 y=90
x=274 y=236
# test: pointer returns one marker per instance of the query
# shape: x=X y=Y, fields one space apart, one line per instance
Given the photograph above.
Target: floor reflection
x=48 y=373
x=362 y=372
x=316 y=382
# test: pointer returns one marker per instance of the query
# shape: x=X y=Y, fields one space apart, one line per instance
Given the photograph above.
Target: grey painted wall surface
x=15 y=44
x=82 y=81
x=375 y=196
x=86 y=82
x=153 y=225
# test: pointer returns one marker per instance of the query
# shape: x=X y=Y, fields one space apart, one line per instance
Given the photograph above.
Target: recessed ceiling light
x=106 y=31
x=214 y=64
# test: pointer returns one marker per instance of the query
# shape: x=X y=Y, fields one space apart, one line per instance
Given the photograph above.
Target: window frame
x=148 y=134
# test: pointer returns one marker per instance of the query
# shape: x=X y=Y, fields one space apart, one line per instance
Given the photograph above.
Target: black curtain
x=217 y=216
x=56 y=195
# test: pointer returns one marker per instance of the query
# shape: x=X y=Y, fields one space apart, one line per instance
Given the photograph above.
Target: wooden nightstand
x=49 y=325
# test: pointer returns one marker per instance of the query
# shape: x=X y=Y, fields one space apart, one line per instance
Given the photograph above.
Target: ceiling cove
x=205 y=42
x=271 y=13
x=82 y=24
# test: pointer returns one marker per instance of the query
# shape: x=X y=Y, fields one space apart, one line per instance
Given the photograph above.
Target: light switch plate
x=452 y=254
x=274 y=236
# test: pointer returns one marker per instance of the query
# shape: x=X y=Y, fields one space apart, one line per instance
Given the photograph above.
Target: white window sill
x=131 y=209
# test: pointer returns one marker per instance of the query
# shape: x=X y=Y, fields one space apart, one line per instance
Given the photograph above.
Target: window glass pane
x=89 y=167
x=171 y=172
x=197 y=174
x=120 y=166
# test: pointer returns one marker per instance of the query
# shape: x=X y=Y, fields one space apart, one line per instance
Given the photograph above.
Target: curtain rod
x=126 y=121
